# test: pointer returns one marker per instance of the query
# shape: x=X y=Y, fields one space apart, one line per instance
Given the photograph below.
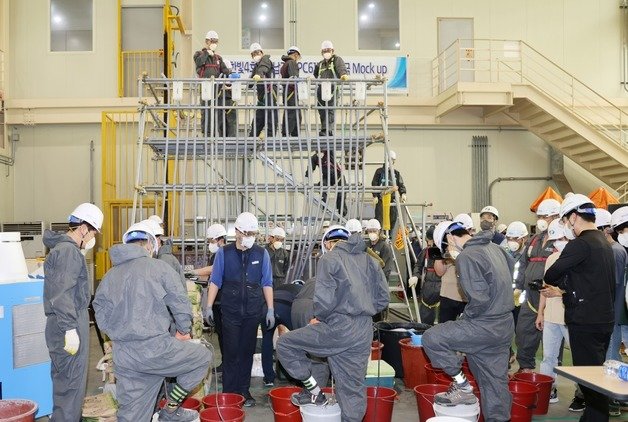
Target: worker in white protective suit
x=134 y=305
x=350 y=288
x=66 y=299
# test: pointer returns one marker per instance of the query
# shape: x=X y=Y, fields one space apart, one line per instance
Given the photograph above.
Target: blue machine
x=25 y=363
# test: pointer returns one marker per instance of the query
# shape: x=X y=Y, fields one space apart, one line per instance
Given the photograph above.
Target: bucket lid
x=461 y=411
x=10 y=237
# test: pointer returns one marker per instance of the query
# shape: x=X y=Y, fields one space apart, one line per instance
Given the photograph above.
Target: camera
x=536 y=285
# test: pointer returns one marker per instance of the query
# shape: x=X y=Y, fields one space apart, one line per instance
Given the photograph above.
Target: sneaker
x=577 y=405
x=305 y=397
x=614 y=408
x=249 y=401
x=554 y=396
x=179 y=415
x=269 y=383
x=456 y=395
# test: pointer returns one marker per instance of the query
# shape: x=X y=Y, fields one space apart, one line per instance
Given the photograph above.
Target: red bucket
x=223 y=400
x=376 y=350
x=281 y=405
x=413 y=359
x=379 y=404
x=222 y=414
x=430 y=373
x=16 y=410
x=523 y=401
x=189 y=403
x=543 y=383
x=425 y=399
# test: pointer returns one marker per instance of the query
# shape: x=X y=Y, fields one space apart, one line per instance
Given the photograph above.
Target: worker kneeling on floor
x=133 y=305
x=486 y=327
x=350 y=289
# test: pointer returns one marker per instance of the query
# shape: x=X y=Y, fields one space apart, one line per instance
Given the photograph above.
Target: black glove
x=434 y=253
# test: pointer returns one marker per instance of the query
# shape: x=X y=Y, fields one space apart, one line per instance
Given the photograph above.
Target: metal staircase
x=513 y=78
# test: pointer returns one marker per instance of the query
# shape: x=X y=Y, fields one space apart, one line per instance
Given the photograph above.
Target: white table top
x=594 y=378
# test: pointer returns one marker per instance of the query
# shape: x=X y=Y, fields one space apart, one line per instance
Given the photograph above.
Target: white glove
x=412 y=281
x=403 y=197
x=72 y=342
x=375 y=200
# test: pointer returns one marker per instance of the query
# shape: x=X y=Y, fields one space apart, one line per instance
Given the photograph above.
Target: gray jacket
x=383 y=249
x=280 y=262
x=302 y=310
x=485 y=276
x=165 y=254
x=136 y=297
x=66 y=288
x=349 y=283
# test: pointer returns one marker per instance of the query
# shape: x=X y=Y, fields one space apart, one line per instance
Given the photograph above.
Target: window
x=71 y=25
x=378 y=25
x=262 y=22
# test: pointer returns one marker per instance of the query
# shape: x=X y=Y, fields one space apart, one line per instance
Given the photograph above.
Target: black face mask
x=487 y=225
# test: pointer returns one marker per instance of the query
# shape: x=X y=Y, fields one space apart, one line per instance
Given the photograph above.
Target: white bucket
x=12 y=263
x=446 y=419
x=462 y=412
x=328 y=413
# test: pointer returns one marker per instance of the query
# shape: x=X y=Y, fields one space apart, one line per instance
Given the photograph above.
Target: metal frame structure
x=242 y=161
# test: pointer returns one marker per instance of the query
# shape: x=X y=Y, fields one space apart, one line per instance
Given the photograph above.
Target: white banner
x=394 y=69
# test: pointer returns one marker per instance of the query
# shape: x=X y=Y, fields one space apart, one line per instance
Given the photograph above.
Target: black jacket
x=333 y=68
x=208 y=66
x=380 y=179
x=265 y=69
x=586 y=271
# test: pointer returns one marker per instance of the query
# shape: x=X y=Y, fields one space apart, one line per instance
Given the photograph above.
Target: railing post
x=459 y=52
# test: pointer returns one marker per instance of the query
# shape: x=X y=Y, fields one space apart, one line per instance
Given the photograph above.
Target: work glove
x=72 y=342
x=189 y=274
x=403 y=197
x=375 y=200
x=257 y=77
x=208 y=316
x=412 y=281
x=345 y=77
x=434 y=253
x=516 y=294
x=270 y=318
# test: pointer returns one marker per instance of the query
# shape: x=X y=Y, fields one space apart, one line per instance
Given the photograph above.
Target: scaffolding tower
x=222 y=146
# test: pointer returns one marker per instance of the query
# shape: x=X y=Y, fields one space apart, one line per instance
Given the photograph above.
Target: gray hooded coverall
x=132 y=307
x=350 y=288
x=165 y=254
x=486 y=328
x=66 y=298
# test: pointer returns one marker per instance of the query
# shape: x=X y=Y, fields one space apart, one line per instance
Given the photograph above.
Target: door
x=456 y=63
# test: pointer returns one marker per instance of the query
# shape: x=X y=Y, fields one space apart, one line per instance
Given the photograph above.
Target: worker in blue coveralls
x=242 y=271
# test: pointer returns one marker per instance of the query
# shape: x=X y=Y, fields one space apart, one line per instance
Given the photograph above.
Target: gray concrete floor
x=405 y=408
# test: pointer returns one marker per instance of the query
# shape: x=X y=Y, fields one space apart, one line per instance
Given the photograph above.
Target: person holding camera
x=585 y=270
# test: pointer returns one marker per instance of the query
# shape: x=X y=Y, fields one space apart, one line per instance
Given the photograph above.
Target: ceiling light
x=364 y=18
x=264 y=5
x=57 y=19
x=397 y=45
x=262 y=18
x=371 y=5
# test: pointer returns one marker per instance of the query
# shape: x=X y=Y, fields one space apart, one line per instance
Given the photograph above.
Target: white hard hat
x=327 y=44
x=441 y=229
x=246 y=222
x=294 y=49
x=602 y=218
x=157 y=219
x=278 y=232
x=139 y=231
x=336 y=232
x=393 y=155
x=547 y=207
x=255 y=47
x=373 y=224
x=555 y=230
x=212 y=35
x=353 y=225
x=215 y=231
x=501 y=228
x=619 y=217
x=228 y=64
x=87 y=213
x=517 y=230
x=575 y=202
x=155 y=227
x=465 y=221
x=491 y=210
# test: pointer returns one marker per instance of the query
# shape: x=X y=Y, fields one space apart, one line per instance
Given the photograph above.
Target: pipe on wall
x=511 y=179
x=13 y=138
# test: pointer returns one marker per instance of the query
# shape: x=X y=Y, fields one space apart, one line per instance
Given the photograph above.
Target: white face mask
x=622 y=238
x=257 y=58
x=373 y=236
x=513 y=246
x=560 y=245
x=277 y=245
x=569 y=233
x=213 y=46
x=90 y=244
x=213 y=247
x=327 y=56
x=248 y=242
x=541 y=225
x=454 y=254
